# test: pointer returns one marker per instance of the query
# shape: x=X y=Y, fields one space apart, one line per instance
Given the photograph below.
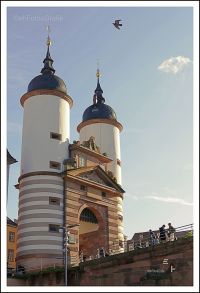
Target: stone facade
x=141 y=267
x=99 y=195
x=59 y=200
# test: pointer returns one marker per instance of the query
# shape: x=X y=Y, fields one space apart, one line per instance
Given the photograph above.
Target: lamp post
x=65 y=245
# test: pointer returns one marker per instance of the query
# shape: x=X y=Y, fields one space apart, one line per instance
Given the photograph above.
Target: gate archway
x=91 y=232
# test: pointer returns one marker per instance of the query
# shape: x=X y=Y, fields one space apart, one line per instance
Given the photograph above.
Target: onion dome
x=99 y=110
x=47 y=79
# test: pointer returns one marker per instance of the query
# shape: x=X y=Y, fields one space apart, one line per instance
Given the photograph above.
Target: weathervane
x=48 y=37
x=98 y=74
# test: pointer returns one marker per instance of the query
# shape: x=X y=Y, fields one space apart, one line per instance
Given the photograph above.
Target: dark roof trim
x=10 y=222
x=10 y=159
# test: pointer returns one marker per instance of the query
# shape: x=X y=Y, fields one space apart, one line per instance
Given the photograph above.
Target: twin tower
x=74 y=185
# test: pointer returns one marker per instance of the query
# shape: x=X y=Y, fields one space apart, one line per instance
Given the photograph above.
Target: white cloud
x=169 y=200
x=174 y=64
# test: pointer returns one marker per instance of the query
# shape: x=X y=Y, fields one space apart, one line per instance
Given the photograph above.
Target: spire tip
x=98 y=74
x=48 y=36
x=48 y=61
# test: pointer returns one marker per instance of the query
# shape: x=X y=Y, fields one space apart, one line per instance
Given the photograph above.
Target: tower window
x=54 y=135
x=120 y=217
x=10 y=255
x=88 y=216
x=54 y=200
x=95 y=109
x=53 y=228
x=55 y=165
x=11 y=236
x=82 y=187
x=103 y=193
x=82 y=161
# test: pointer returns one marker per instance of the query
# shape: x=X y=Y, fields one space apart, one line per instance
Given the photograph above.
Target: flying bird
x=117 y=24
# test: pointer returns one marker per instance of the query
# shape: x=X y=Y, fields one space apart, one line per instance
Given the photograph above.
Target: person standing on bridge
x=162 y=233
x=171 y=231
x=152 y=238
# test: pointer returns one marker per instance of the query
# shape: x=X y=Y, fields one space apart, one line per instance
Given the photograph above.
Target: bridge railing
x=188 y=227
x=145 y=241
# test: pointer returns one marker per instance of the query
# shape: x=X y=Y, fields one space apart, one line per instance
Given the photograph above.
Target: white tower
x=100 y=121
x=45 y=140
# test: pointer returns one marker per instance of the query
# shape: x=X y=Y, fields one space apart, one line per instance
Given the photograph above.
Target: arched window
x=88 y=216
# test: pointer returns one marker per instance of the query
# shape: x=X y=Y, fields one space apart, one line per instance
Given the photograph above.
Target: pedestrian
x=162 y=233
x=98 y=253
x=101 y=252
x=152 y=238
x=157 y=239
x=81 y=256
x=171 y=231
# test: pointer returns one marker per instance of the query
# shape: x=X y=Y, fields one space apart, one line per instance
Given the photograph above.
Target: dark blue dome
x=47 y=81
x=99 y=110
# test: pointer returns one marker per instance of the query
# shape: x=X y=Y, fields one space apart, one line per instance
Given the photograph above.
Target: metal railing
x=146 y=241
x=184 y=228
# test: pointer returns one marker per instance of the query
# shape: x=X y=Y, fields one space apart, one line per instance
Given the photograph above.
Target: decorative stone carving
x=93 y=176
x=90 y=144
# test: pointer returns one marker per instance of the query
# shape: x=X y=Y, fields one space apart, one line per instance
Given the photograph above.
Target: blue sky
x=154 y=104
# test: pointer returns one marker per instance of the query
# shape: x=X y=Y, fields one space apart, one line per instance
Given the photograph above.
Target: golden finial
x=48 y=37
x=98 y=74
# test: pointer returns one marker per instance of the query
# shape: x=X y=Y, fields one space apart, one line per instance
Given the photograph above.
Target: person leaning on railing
x=171 y=232
x=152 y=238
x=162 y=233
